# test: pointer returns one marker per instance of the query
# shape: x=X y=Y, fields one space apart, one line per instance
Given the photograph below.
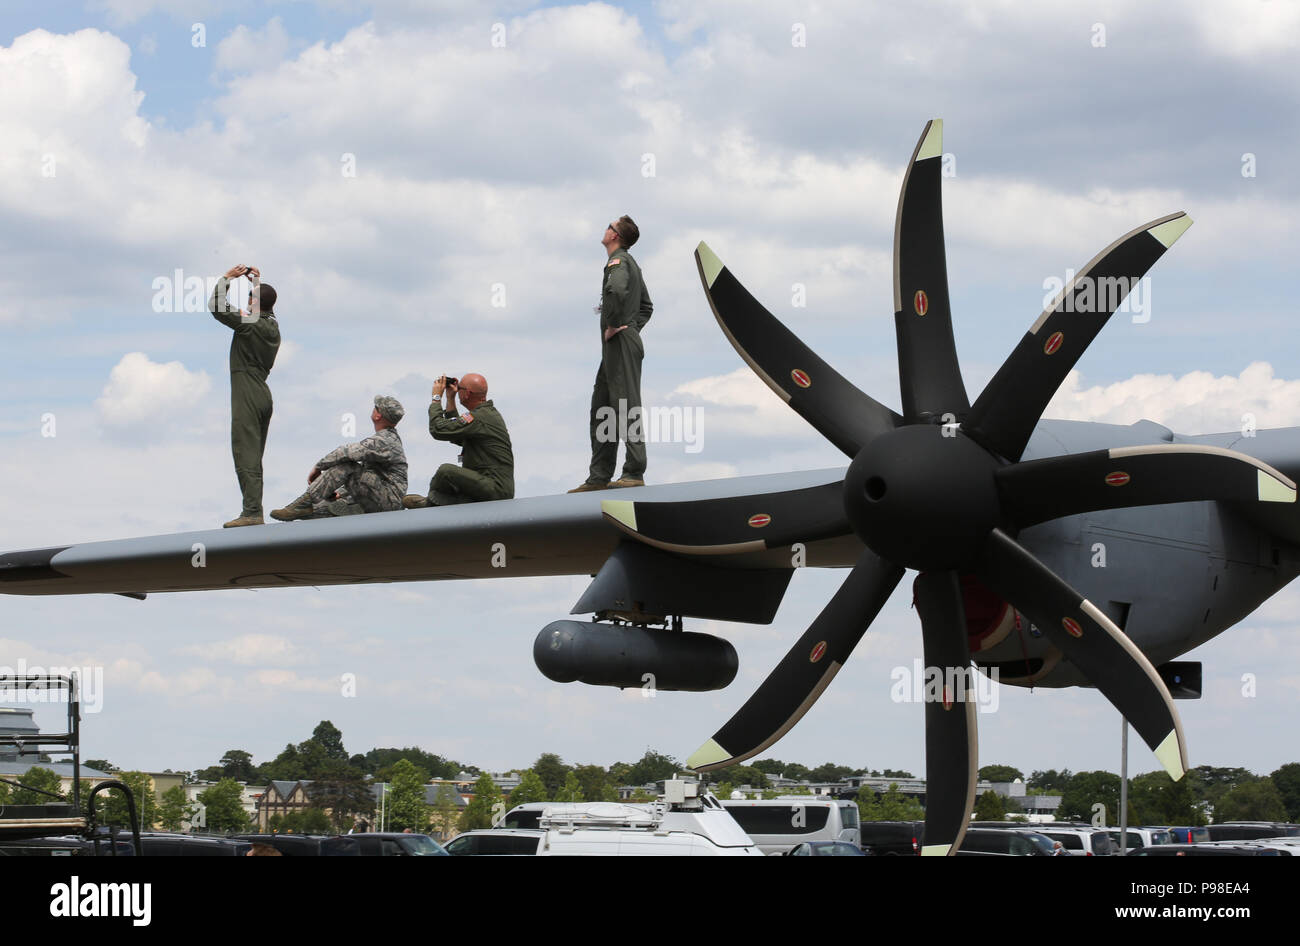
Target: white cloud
x=253 y=50
x=143 y=393
x=250 y=649
x=1195 y=403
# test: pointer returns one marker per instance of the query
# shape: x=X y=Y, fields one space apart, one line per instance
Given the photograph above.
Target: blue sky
x=478 y=165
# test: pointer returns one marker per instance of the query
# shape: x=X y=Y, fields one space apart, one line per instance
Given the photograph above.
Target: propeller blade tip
x=1273 y=490
x=935 y=850
x=621 y=511
x=932 y=144
x=707 y=755
x=710 y=265
x=1170 y=755
x=1169 y=231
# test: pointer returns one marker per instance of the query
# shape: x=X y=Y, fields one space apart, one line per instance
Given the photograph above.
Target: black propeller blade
x=736 y=523
x=951 y=746
x=817 y=392
x=1092 y=642
x=928 y=372
x=1010 y=406
x=792 y=688
x=1038 y=490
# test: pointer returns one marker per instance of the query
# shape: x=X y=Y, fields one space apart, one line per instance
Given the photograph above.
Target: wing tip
x=1273 y=490
x=935 y=850
x=1170 y=755
x=621 y=511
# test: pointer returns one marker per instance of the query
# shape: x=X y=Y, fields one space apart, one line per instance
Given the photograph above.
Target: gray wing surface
x=536 y=536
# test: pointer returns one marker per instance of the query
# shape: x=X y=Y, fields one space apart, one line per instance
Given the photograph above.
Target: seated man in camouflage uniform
x=488 y=470
x=369 y=476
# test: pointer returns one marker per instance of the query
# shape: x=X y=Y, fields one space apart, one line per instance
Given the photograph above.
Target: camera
x=451 y=382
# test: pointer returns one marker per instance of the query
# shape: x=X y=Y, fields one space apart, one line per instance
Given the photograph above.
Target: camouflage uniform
x=252 y=353
x=489 y=462
x=624 y=300
x=371 y=473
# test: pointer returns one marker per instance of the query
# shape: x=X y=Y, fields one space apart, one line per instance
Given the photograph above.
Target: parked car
x=1005 y=842
x=1140 y=837
x=892 y=838
x=1080 y=842
x=307 y=845
x=1249 y=830
x=1207 y=850
x=397 y=844
x=1189 y=835
x=162 y=844
x=824 y=849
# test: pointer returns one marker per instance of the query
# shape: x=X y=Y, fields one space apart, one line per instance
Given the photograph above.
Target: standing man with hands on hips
x=625 y=308
x=252 y=354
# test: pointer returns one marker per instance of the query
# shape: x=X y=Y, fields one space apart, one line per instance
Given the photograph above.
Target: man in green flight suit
x=252 y=353
x=488 y=462
x=625 y=308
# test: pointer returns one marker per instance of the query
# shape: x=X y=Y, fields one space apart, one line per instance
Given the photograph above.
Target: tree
x=595 y=784
x=891 y=806
x=571 y=790
x=330 y=739
x=530 y=789
x=776 y=767
x=990 y=807
x=478 y=813
x=1050 y=782
x=1252 y=801
x=829 y=772
x=1158 y=799
x=314 y=821
x=1210 y=783
x=1093 y=788
x=896 y=773
x=1287 y=781
x=747 y=775
x=286 y=767
x=405 y=805
x=112 y=805
x=551 y=770
x=652 y=767
x=1000 y=773
x=444 y=810
x=379 y=762
x=223 y=806
x=344 y=793
x=175 y=809
x=35 y=781
x=99 y=765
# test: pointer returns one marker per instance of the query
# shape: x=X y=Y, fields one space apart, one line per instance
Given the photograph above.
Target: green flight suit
x=252 y=353
x=488 y=462
x=616 y=395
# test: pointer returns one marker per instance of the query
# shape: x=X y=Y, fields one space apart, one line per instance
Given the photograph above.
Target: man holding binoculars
x=487 y=469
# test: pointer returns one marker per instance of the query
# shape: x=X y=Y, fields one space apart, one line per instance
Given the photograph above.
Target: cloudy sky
x=426 y=185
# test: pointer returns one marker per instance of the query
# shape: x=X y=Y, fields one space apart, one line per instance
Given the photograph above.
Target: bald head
x=472 y=389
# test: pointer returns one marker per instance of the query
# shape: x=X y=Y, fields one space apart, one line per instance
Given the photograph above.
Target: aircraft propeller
x=941 y=489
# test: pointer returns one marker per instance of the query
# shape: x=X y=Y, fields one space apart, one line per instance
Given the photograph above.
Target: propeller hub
x=923 y=496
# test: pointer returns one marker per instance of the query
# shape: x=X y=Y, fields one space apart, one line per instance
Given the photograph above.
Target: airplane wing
x=536 y=536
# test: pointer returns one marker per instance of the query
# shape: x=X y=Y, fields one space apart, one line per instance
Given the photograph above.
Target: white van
x=681 y=823
x=778 y=824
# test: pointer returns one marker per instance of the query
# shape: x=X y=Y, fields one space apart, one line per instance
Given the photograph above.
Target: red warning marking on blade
x=759 y=519
x=817 y=652
x=947 y=698
x=1072 y=627
x=801 y=378
x=1117 y=479
x=920 y=302
x=1053 y=343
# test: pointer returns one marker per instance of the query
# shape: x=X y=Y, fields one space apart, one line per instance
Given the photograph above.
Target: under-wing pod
x=626 y=656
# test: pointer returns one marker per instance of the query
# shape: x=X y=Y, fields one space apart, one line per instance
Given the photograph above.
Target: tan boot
x=300 y=508
x=414 y=501
x=589 y=487
x=627 y=482
x=245 y=521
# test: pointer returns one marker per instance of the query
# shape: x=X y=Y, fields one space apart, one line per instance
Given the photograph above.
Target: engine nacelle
x=622 y=656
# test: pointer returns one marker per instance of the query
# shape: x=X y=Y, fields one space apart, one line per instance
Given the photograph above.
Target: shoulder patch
x=614 y=262
x=466 y=417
